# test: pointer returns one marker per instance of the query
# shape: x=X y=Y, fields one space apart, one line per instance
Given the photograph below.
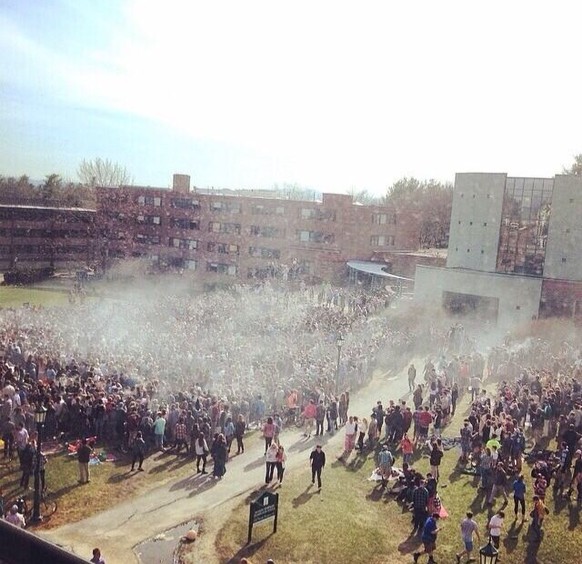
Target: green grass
x=17 y=296
x=352 y=522
x=109 y=481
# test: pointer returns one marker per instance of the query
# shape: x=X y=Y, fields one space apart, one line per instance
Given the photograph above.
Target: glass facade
x=523 y=232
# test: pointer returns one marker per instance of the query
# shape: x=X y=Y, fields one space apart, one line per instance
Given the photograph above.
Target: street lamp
x=338 y=342
x=39 y=419
x=488 y=554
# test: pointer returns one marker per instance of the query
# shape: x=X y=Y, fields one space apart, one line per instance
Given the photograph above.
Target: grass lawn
x=351 y=521
x=111 y=482
x=11 y=296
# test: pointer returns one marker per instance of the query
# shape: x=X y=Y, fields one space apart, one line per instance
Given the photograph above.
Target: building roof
x=375 y=269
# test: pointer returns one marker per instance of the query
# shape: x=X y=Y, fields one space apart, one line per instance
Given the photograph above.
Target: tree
x=362 y=196
x=429 y=202
x=576 y=168
x=103 y=172
x=51 y=187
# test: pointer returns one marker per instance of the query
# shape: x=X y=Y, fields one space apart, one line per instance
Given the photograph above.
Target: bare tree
x=576 y=168
x=362 y=196
x=430 y=202
x=103 y=172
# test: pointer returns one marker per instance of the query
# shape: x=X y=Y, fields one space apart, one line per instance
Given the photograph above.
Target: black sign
x=265 y=507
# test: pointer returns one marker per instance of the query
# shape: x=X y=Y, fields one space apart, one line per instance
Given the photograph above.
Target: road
x=118 y=530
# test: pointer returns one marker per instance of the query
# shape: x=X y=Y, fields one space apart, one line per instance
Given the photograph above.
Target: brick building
x=244 y=236
x=35 y=234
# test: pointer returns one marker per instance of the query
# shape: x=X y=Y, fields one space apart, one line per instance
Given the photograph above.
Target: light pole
x=39 y=419
x=338 y=342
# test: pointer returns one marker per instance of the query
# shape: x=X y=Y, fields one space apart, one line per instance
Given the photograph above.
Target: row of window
x=44 y=249
x=258 y=209
x=45 y=233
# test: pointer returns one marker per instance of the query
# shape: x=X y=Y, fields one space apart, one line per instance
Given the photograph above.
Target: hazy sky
x=330 y=95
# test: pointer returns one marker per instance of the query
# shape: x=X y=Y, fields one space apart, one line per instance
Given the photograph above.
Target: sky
x=333 y=96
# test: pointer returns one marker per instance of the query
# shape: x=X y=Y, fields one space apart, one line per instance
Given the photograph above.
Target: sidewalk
x=118 y=530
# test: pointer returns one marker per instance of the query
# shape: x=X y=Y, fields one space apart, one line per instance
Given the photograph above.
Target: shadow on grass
x=248 y=550
x=377 y=493
x=512 y=539
x=531 y=552
x=574 y=517
x=479 y=503
x=305 y=496
x=411 y=544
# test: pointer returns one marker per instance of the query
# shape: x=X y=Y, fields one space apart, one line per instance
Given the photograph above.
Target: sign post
x=266 y=506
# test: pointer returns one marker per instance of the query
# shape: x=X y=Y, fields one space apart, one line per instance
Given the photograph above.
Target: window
x=147 y=239
x=184 y=223
x=221 y=268
x=266 y=231
x=149 y=219
x=321 y=215
x=185 y=203
x=222 y=248
x=262 y=252
x=383 y=218
x=225 y=207
x=261 y=209
x=381 y=240
x=190 y=244
x=149 y=201
x=190 y=264
x=217 y=227
x=315 y=237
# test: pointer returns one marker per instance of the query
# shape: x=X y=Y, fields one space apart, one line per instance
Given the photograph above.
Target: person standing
x=83 y=456
x=281 y=462
x=268 y=433
x=17 y=519
x=411 y=377
x=319 y=418
x=495 y=527
x=220 y=456
x=519 y=490
x=159 y=431
x=201 y=452
x=138 y=451
x=317 y=462
x=429 y=538
x=419 y=505
x=239 y=432
x=271 y=462
x=385 y=462
x=468 y=528
x=538 y=514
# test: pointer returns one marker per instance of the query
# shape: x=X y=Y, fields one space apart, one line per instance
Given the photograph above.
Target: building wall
x=475 y=216
x=564 y=246
x=241 y=236
x=518 y=296
x=38 y=236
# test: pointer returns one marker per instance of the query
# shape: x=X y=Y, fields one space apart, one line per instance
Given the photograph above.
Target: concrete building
x=515 y=250
x=245 y=236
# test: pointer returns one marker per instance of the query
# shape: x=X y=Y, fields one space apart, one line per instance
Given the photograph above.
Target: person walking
x=83 y=456
x=430 y=531
x=239 y=432
x=281 y=462
x=411 y=377
x=317 y=462
x=220 y=456
x=138 y=451
x=469 y=528
x=419 y=506
x=519 y=490
x=538 y=515
x=268 y=433
x=385 y=462
x=495 y=526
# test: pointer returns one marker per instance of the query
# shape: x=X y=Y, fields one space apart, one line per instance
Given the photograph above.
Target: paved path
x=118 y=530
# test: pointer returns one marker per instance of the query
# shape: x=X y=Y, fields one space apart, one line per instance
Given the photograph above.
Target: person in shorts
x=468 y=528
x=429 y=538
